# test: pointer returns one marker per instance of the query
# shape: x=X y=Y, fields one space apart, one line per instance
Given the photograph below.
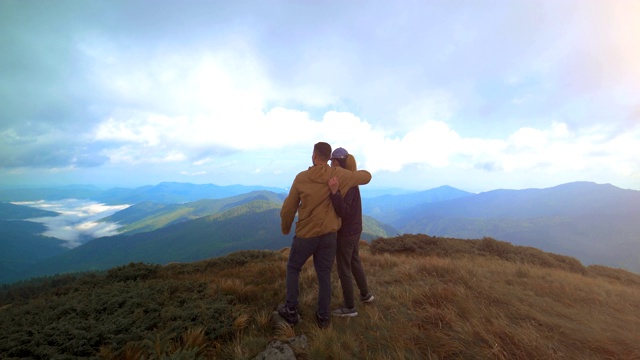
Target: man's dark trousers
x=323 y=250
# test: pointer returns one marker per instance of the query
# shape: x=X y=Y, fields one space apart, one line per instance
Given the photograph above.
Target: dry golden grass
x=457 y=305
x=263 y=319
x=435 y=299
x=284 y=331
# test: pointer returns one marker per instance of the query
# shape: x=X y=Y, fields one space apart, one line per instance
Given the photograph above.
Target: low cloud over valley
x=79 y=220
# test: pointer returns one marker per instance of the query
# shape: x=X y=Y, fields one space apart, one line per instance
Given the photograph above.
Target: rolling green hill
x=149 y=216
x=255 y=225
x=373 y=229
x=251 y=226
x=162 y=233
x=21 y=246
x=10 y=211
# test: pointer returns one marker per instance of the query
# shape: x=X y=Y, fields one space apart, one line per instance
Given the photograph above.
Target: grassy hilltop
x=436 y=298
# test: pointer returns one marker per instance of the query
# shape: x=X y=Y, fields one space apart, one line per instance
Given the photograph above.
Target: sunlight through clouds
x=433 y=143
x=462 y=90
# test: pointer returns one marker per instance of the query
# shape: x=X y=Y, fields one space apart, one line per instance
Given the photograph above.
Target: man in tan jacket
x=316 y=228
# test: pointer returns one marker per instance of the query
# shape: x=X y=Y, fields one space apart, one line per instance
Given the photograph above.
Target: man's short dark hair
x=322 y=150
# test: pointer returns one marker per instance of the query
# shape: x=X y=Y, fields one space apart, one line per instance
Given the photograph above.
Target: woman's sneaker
x=367 y=298
x=345 y=311
x=290 y=316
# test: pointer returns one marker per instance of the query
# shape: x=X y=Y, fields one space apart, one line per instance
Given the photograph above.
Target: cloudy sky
x=478 y=95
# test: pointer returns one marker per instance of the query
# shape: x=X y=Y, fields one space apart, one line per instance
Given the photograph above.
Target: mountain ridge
x=254 y=225
x=390 y=207
x=165 y=192
x=594 y=222
x=10 y=211
x=169 y=244
x=148 y=216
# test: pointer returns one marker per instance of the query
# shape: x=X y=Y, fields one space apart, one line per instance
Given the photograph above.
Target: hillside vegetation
x=20 y=212
x=149 y=216
x=21 y=246
x=436 y=298
x=251 y=226
x=251 y=223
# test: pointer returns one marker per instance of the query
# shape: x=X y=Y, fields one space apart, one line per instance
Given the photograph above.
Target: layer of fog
x=78 y=221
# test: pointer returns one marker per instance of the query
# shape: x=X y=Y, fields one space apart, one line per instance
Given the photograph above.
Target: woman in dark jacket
x=349 y=208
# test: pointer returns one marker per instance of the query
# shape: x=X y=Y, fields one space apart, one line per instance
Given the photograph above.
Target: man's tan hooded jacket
x=309 y=197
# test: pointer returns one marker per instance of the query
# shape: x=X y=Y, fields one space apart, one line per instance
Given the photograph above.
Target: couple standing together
x=327 y=200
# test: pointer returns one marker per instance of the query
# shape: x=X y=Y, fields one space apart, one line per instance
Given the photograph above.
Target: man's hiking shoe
x=322 y=322
x=367 y=298
x=290 y=316
x=345 y=311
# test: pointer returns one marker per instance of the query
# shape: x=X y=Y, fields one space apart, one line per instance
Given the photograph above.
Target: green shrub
x=78 y=321
x=133 y=272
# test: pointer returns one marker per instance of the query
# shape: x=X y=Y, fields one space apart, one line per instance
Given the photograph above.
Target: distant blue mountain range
x=165 y=193
x=596 y=223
